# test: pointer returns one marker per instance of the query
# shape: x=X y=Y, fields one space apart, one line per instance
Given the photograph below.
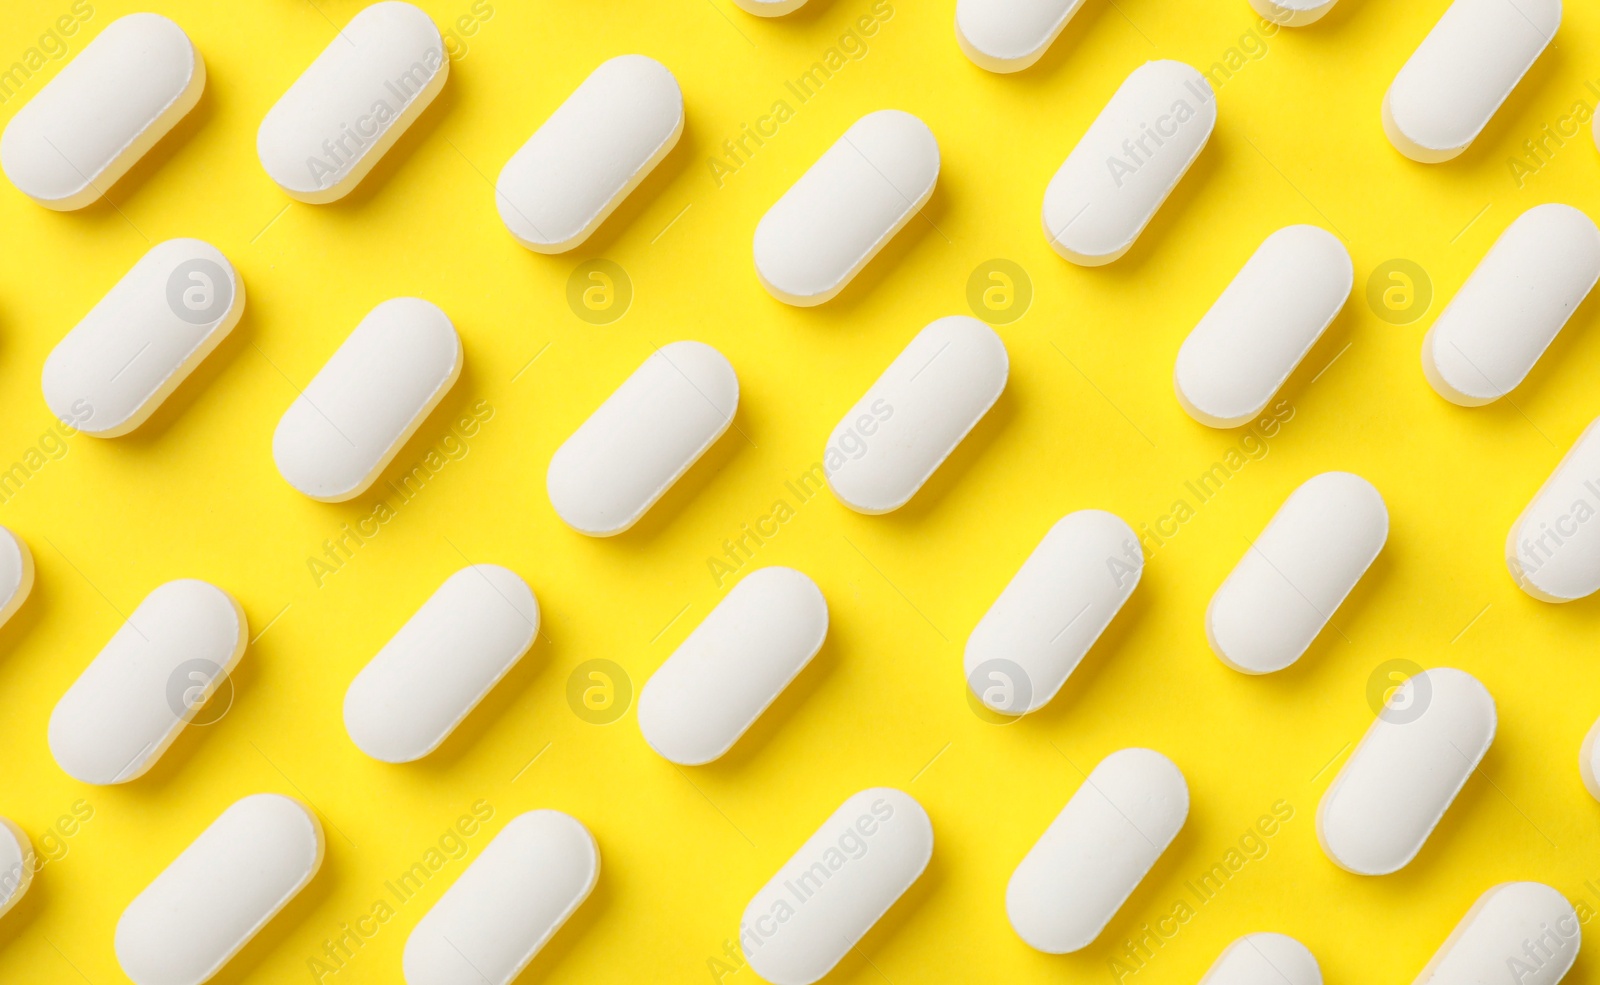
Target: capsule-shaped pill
x=1589 y=761
x=841 y=881
x=1008 y=35
x=1052 y=611
x=1510 y=309
x=348 y=108
x=1518 y=932
x=149 y=332
x=1127 y=163
x=770 y=8
x=509 y=902
x=102 y=112
x=643 y=438
x=441 y=663
x=590 y=154
x=1267 y=319
x=1293 y=13
x=17 y=862
x=148 y=682
x=1445 y=94
x=371 y=395
x=216 y=895
x=1297 y=573
x=1406 y=771
x=1264 y=959
x=16 y=574
x=1553 y=550
x=1095 y=853
x=835 y=219
x=912 y=418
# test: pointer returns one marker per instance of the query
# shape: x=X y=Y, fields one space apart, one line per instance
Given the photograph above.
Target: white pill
x=1127 y=163
x=1010 y=35
x=1095 y=853
x=1267 y=319
x=367 y=400
x=509 y=902
x=718 y=682
x=1518 y=932
x=915 y=415
x=591 y=153
x=1464 y=69
x=1059 y=602
x=1264 y=959
x=1293 y=13
x=1406 y=771
x=17 y=862
x=841 y=881
x=16 y=574
x=835 y=219
x=1510 y=309
x=216 y=895
x=139 y=692
x=643 y=438
x=441 y=663
x=103 y=112
x=1553 y=549
x=149 y=332
x=1286 y=587
x=348 y=108
x=1589 y=761
x=770 y=8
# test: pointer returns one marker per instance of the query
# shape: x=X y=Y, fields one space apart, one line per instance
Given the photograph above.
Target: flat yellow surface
x=1088 y=420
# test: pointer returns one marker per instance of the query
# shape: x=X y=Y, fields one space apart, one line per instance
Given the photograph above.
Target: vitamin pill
x=1264 y=959
x=1589 y=761
x=1007 y=36
x=1526 y=932
x=1293 y=13
x=17 y=862
x=16 y=574
x=770 y=8
x=1553 y=551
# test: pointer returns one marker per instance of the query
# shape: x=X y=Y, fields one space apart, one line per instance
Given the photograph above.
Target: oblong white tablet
x=830 y=223
x=1264 y=959
x=441 y=663
x=149 y=332
x=1010 y=35
x=718 y=681
x=1521 y=932
x=1445 y=94
x=1406 y=771
x=17 y=863
x=915 y=415
x=643 y=438
x=1293 y=13
x=102 y=112
x=1510 y=309
x=16 y=574
x=371 y=395
x=1267 y=319
x=1094 y=854
x=1051 y=612
x=349 y=106
x=1127 y=163
x=590 y=154
x=842 y=880
x=770 y=8
x=137 y=694
x=1589 y=761
x=1286 y=587
x=219 y=892
x=1553 y=550
x=512 y=899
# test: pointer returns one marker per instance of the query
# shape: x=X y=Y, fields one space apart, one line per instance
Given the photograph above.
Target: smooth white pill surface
x=1589 y=761
x=915 y=415
x=1553 y=549
x=1127 y=163
x=1264 y=959
x=590 y=154
x=1059 y=602
x=16 y=574
x=514 y=896
x=149 y=332
x=841 y=881
x=1520 y=933
x=102 y=112
x=371 y=395
x=139 y=692
x=862 y=190
x=16 y=864
x=1292 y=13
x=643 y=438
x=1464 y=69
x=1010 y=35
x=1267 y=319
x=219 y=892
x=1406 y=771
x=770 y=8
x=441 y=663
x=1510 y=309
x=1097 y=850
x=348 y=108
x=1286 y=587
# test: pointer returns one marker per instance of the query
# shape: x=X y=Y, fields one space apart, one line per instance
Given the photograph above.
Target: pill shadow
x=813 y=11
x=923 y=225
x=1062 y=51
x=954 y=469
x=519 y=682
x=1320 y=357
x=23 y=621
x=174 y=760
x=1556 y=361
x=904 y=911
x=1516 y=112
x=776 y=717
x=625 y=219
x=403 y=149
x=201 y=381
x=1106 y=651
x=155 y=159
x=1476 y=797
x=283 y=925
x=686 y=490
x=1130 y=267
x=1152 y=895
x=28 y=909
x=413 y=455
x=573 y=933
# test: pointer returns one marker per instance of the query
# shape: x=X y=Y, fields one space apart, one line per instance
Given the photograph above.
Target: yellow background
x=1088 y=420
